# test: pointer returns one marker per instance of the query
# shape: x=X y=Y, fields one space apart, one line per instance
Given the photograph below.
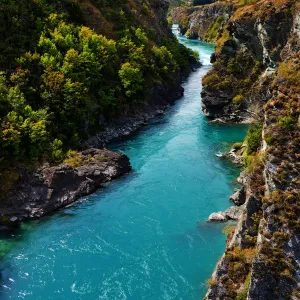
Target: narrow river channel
x=145 y=236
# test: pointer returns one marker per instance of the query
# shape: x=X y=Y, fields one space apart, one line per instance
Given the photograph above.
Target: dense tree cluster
x=59 y=73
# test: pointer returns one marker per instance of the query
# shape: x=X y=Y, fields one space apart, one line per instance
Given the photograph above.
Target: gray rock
x=217 y=217
x=239 y=197
x=201 y=18
x=51 y=188
x=234 y=212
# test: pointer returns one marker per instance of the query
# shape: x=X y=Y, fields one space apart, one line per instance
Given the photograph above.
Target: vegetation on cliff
x=257 y=67
x=241 y=60
x=205 y=21
x=64 y=65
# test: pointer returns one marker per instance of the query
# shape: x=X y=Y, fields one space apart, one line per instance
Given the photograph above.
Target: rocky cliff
x=244 y=62
x=261 y=50
x=203 y=22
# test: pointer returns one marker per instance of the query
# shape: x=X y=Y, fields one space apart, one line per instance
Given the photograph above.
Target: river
x=144 y=236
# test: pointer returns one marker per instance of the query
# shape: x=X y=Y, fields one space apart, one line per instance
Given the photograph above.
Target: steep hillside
x=256 y=76
x=68 y=67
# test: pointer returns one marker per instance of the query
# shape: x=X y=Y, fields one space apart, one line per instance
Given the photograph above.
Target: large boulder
x=234 y=212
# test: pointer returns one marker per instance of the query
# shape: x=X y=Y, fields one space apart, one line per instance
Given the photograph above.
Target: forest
x=63 y=64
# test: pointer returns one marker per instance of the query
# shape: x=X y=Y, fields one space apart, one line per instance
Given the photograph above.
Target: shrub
x=289 y=72
x=57 y=152
x=238 y=99
x=228 y=229
x=213 y=31
x=286 y=123
x=74 y=159
x=211 y=80
x=196 y=55
x=237 y=146
x=254 y=138
x=211 y=282
x=131 y=78
x=188 y=33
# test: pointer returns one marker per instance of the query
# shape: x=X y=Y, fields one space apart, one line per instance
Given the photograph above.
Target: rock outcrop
x=51 y=188
x=203 y=22
x=239 y=197
x=232 y=213
x=238 y=85
x=126 y=125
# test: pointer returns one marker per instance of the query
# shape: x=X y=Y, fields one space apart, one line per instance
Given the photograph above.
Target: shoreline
x=121 y=127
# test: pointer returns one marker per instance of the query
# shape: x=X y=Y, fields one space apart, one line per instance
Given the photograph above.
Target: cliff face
x=203 y=22
x=247 y=53
x=262 y=256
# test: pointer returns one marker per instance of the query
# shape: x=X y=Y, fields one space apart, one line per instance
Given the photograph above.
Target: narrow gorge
x=146 y=234
x=149 y=149
x=255 y=78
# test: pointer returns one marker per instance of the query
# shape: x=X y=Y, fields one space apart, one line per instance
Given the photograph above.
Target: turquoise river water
x=144 y=236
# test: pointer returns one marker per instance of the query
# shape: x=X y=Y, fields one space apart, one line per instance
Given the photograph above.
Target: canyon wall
x=256 y=78
x=203 y=22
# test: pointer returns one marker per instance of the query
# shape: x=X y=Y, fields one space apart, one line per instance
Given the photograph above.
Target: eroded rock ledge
x=232 y=213
x=51 y=188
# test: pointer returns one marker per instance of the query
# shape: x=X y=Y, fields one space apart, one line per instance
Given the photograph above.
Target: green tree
x=131 y=78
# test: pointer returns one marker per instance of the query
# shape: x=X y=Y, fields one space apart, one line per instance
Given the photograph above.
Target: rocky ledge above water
x=54 y=187
x=232 y=213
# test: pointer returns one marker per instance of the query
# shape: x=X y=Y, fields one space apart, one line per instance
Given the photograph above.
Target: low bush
x=73 y=159
x=237 y=146
x=238 y=99
x=254 y=138
x=286 y=123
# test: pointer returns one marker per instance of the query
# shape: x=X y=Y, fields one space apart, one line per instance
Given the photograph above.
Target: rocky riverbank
x=50 y=188
x=161 y=98
x=245 y=60
x=53 y=187
x=256 y=75
x=129 y=123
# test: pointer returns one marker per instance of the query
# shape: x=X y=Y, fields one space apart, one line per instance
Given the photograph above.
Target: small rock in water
x=219 y=154
x=13 y=219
